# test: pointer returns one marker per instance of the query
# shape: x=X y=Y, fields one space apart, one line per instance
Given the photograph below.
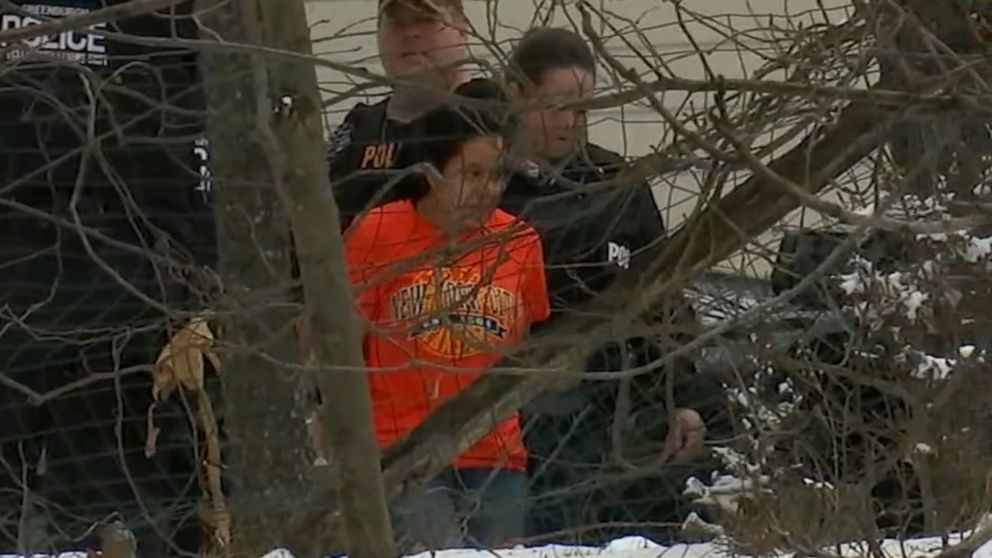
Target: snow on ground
x=637 y=547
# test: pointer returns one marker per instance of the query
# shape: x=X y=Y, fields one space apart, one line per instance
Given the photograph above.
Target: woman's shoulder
x=383 y=223
x=521 y=231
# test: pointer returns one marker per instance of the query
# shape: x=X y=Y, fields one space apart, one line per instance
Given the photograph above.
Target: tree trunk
x=266 y=462
x=270 y=150
x=347 y=415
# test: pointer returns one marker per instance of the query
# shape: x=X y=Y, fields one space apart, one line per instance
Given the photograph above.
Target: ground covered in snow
x=636 y=547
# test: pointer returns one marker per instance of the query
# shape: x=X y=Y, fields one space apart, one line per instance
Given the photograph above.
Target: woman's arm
x=535 y=286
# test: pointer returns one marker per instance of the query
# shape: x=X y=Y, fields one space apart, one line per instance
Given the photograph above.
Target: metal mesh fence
x=817 y=426
x=104 y=211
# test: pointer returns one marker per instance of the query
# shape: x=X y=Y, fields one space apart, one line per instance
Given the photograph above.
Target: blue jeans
x=476 y=508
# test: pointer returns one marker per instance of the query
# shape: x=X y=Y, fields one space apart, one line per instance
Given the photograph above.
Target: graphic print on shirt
x=452 y=315
x=75 y=46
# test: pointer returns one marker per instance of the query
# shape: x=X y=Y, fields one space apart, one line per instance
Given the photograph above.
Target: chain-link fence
x=790 y=352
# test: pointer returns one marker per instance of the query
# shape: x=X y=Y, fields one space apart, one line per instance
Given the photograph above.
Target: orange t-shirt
x=439 y=312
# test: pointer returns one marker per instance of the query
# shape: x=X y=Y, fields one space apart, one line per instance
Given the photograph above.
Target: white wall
x=343 y=32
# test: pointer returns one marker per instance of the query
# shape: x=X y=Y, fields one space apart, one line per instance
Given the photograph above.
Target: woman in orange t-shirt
x=447 y=282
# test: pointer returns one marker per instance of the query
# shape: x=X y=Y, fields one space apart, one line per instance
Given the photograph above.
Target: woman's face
x=414 y=43
x=553 y=133
x=469 y=185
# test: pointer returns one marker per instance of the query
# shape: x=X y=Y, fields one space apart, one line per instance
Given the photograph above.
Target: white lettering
x=53 y=11
x=618 y=254
x=94 y=43
x=72 y=46
x=79 y=41
x=201 y=150
x=9 y=21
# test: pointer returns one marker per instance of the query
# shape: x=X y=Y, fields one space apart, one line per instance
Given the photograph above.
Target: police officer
x=106 y=225
x=422 y=43
x=590 y=238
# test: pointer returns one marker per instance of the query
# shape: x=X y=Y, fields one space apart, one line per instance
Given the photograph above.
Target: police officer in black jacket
x=106 y=227
x=421 y=42
x=591 y=237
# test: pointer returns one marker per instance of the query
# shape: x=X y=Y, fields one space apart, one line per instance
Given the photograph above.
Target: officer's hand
x=685 y=438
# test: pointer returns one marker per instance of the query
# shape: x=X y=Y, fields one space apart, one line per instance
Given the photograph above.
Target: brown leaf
x=180 y=364
x=181 y=361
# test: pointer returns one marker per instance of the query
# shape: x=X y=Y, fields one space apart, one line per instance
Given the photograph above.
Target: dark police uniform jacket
x=106 y=130
x=105 y=134
x=591 y=236
x=364 y=153
x=367 y=151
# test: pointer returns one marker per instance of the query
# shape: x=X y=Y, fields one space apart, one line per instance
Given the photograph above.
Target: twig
x=975 y=541
x=218 y=517
x=38 y=398
x=880 y=222
x=877 y=96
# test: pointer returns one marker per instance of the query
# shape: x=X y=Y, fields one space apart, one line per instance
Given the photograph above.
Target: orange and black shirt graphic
x=453 y=314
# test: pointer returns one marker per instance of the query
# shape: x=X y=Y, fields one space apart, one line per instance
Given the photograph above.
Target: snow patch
x=639 y=547
x=923 y=449
x=695 y=524
x=820 y=485
x=929 y=367
x=852 y=283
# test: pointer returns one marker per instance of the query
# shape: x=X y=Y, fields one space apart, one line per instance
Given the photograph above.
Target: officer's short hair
x=546 y=48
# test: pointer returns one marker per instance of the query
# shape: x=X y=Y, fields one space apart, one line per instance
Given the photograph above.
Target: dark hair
x=446 y=129
x=546 y=48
